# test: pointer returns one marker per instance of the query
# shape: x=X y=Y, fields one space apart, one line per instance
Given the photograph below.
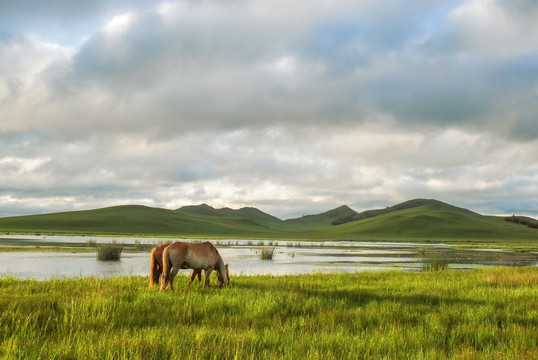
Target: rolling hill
x=256 y=215
x=435 y=220
x=132 y=220
x=328 y=218
x=402 y=206
x=414 y=220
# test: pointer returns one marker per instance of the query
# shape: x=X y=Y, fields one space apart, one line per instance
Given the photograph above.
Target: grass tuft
x=109 y=252
x=267 y=254
x=435 y=265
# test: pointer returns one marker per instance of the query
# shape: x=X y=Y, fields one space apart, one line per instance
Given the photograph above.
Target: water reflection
x=243 y=257
x=45 y=265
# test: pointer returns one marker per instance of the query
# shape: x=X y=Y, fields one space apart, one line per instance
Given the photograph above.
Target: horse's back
x=205 y=249
x=194 y=254
x=177 y=247
x=175 y=252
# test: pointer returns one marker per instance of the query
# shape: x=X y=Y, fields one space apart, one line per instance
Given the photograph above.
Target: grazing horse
x=157 y=266
x=204 y=256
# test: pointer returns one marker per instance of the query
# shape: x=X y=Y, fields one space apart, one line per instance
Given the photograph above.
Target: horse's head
x=223 y=276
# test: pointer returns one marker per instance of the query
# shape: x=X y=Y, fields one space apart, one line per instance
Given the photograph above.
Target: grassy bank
x=434 y=315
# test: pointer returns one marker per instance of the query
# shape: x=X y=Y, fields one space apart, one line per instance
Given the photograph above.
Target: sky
x=292 y=107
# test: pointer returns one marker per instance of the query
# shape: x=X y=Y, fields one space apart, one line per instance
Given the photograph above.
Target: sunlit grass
x=481 y=314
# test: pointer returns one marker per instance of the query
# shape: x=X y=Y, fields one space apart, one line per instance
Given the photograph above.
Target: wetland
x=46 y=257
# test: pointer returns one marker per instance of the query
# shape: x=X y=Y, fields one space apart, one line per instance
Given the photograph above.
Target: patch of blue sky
x=194 y=171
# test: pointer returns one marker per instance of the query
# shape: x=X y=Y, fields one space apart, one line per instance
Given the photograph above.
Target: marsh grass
x=267 y=253
x=479 y=314
x=109 y=252
x=435 y=265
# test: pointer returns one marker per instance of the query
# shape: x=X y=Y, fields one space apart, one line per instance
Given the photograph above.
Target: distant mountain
x=256 y=215
x=202 y=209
x=328 y=218
x=402 y=206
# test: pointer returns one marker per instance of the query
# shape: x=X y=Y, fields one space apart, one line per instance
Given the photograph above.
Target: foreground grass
x=490 y=314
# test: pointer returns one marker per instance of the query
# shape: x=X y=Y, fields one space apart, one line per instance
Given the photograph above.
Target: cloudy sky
x=293 y=107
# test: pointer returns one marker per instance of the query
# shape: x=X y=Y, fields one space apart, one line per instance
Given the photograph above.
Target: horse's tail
x=155 y=268
x=167 y=266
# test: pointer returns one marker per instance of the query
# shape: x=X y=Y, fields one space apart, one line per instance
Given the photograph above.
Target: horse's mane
x=213 y=247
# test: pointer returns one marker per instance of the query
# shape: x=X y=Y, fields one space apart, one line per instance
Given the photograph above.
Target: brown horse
x=204 y=256
x=157 y=266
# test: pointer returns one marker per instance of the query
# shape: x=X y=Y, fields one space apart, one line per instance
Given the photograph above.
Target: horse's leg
x=166 y=269
x=164 y=283
x=154 y=270
x=193 y=275
x=207 y=273
x=173 y=274
x=157 y=274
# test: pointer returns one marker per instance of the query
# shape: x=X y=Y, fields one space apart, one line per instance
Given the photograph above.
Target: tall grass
x=481 y=314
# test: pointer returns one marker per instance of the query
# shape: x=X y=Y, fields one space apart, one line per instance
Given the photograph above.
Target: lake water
x=243 y=257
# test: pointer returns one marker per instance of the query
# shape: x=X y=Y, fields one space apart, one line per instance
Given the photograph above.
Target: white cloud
x=119 y=24
x=285 y=65
x=497 y=26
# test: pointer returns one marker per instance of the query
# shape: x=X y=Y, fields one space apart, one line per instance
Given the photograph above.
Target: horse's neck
x=220 y=264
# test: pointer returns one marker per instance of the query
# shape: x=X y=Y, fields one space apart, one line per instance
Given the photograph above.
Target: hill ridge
x=252 y=213
x=326 y=218
x=409 y=204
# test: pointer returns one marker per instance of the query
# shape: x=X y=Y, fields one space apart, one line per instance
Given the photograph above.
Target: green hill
x=132 y=220
x=256 y=215
x=435 y=220
x=328 y=218
x=402 y=206
x=415 y=220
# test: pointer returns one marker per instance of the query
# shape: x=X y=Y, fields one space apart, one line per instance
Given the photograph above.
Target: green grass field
x=481 y=314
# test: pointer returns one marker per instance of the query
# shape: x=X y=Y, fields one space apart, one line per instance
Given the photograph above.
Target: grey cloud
x=191 y=42
x=53 y=17
x=440 y=95
x=240 y=103
x=194 y=171
x=526 y=127
x=216 y=78
x=522 y=9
